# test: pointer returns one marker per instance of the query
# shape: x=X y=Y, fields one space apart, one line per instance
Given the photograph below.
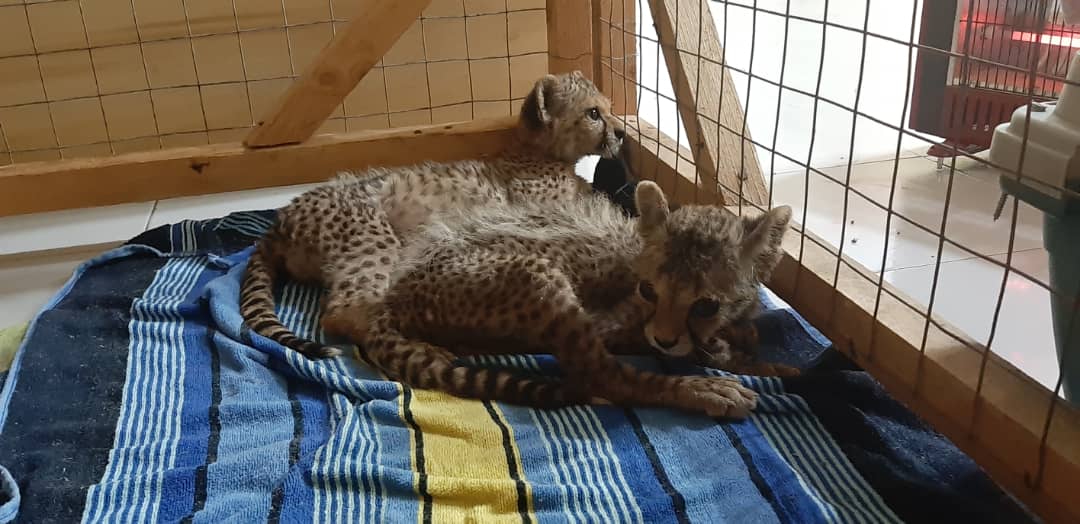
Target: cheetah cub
x=528 y=279
x=346 y=235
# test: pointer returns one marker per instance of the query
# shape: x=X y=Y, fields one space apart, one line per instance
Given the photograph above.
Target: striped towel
x=139 y=395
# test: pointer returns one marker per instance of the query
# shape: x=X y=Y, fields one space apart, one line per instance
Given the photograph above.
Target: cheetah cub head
x=700 y=267
x=568 y=118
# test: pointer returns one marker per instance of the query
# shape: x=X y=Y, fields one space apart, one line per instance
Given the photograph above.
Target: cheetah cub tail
x=257 y=306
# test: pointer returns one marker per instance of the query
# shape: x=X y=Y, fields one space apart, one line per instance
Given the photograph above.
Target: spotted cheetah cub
x=525 y=279
x=346 y=235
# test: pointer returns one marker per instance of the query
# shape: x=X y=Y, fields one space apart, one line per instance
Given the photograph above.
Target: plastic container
x=1051 y=161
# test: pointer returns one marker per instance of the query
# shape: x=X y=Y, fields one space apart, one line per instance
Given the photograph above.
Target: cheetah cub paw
x=722 y=397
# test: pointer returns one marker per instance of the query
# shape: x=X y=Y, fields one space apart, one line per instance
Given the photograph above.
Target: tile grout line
x=22 y=258
x=962 y=259
x=150 y=216
x=912 y=155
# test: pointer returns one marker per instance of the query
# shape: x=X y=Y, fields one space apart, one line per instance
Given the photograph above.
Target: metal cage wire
x=529 y=62
x=1040 y=77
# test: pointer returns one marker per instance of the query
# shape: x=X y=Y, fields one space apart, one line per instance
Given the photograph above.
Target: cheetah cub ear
x=535 y=112
x=652 y=206
x=761 y=240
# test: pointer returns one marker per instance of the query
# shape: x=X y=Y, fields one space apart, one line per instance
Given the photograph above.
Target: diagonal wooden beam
x=700 y=85
x=337 y=69
x=655 y=156
x=217 y=168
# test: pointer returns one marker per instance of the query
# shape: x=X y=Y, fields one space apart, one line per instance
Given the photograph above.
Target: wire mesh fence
x=831 y=93
x=94 y=78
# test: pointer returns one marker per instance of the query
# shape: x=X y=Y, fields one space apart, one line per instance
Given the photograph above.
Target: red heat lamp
x=963 y=100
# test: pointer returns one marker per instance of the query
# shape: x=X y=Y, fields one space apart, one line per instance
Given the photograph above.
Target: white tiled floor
x=28 y=281
x=918 y=206
x=211 y=206
x=968 y=286
x=42 y=231
x=967 y=294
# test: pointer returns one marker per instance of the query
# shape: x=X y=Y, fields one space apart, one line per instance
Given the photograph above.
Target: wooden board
x=140 y=177
x=706 y=94
x=336 y=71
x=570 y=36
x=1001 y=427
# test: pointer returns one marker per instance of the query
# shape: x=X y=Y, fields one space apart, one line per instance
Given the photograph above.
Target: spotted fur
x=347 y=235
x=567 y=280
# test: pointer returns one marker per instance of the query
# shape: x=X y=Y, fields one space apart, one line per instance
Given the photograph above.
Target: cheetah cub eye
x=705 y=307
x=647 y=291
x=593 y=113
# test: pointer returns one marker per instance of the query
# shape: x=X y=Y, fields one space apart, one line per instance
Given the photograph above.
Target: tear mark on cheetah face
x=569 y=118
x=700 y=268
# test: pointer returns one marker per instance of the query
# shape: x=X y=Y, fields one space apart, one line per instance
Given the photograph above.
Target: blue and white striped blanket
x=138 y=395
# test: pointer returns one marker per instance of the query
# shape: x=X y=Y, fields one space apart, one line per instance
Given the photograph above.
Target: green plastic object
x=1061 y=234
x=1043 y=140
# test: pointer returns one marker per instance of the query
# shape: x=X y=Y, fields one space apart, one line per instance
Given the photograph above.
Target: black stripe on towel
x=752 y=470
x=421 y=471
x=511 y=461
x=74 y=367
x=215 y=430
x=678 y=503
x=277 y=498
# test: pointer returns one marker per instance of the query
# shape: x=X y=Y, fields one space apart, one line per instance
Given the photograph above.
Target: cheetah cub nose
x=620 y=133
x=665 y=344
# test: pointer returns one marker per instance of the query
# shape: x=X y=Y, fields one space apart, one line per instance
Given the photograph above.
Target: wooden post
x=617 y=41
x=144 y=176
x=700 y=84
x=570 y=36
x=333 y=74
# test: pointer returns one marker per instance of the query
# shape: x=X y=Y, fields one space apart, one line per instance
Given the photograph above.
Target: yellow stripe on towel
x=10 y=340
x=465 y=457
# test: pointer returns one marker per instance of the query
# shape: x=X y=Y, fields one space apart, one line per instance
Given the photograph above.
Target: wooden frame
x=169 y=173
